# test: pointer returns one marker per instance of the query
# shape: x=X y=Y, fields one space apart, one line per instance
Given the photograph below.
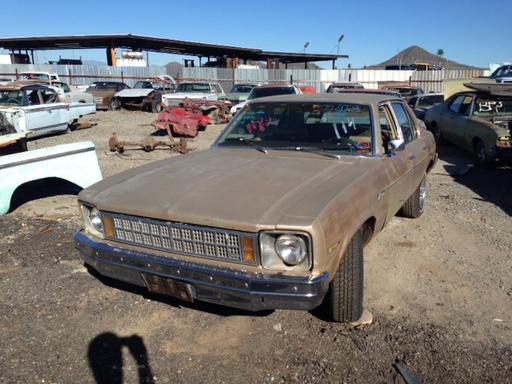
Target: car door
x=398 y=166
x=453 y=122
x=44 y=116
x=417 y=149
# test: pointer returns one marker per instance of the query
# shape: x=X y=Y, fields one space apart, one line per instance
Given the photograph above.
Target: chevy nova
x=275 y=214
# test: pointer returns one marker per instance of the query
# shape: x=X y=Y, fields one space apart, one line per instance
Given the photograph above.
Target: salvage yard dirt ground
x=439 y=288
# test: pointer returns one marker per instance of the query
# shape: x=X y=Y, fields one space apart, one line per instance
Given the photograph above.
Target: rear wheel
x=344 y=300
x=415 y=204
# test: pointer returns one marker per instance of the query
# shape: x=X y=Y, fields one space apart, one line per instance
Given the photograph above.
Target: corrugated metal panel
x=87 y=74
x=430 y=81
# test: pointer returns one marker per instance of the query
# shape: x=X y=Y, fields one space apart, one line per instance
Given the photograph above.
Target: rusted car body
x=180 y=122
x=27 y=106
x=145 y=95
x=103 y=93
x=478 y=120
x=275 y=214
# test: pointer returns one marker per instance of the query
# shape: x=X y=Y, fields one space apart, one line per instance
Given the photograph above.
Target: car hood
x=237 y=96
x=195 y=95
x=239 y=106
x=229 y=188
x=134 y=92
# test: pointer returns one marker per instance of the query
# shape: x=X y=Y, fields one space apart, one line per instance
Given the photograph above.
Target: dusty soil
x=439 y=289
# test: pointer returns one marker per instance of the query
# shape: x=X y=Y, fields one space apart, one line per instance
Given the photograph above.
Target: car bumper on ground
x=192 y=281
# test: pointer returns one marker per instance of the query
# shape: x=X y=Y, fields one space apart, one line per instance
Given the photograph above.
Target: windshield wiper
x=250 y=142
x=314 y=150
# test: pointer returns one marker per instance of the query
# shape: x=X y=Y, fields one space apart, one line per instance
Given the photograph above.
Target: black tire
x=156 y=107
x=415 y=204
x=112 y=105
x=344 y=301
x=72 y=126
x=481 y=159
x=438 y=136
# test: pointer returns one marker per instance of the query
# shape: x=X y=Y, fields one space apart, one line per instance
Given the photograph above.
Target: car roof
x=362 y=98
x=108 y=82
x=197 y=81
x=340 y=83
x=21 y=84
x=369 y=91
x=276 y=85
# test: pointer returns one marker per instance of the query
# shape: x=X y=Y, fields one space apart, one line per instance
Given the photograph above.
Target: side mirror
x=397 y=145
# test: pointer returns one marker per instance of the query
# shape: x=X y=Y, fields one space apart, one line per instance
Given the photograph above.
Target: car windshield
x=193 y=88
x=327 y=128
x=101 y=87
x=271 y=91
x=336 y=88
x=10 y=98
x=493 y=106
x=33 y=76
x=409 y=91
x=144 y=85
x=242 y=88
x=429 y=100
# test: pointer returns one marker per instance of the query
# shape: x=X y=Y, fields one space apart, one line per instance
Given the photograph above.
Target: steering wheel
x=13 y=101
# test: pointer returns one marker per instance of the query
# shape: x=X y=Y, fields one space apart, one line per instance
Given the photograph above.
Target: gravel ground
x=439 y=289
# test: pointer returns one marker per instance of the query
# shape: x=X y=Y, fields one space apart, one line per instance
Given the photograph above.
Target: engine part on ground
x=148 y=144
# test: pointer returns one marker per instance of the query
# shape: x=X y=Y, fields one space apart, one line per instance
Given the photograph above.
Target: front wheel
x=156 y=107
x=344 y=300
x=438 y=136
x=415 y=204
x=481 y=159
x=112 y=105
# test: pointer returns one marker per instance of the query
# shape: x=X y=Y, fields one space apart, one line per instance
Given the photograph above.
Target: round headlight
x=95 y=219
x=291 y=249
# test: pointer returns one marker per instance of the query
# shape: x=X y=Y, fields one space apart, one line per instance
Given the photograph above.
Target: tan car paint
x=326 y=198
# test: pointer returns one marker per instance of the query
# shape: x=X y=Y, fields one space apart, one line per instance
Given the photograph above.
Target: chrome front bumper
x=195 y=281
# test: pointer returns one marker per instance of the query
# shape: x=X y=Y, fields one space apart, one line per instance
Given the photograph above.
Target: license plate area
x=169 y=287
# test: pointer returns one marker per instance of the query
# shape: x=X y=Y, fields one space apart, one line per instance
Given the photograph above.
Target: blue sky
x=470 y=32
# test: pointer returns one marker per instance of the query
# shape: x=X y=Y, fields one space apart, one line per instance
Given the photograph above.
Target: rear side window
x=461 y=105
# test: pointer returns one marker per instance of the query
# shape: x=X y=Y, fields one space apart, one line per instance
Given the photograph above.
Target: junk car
x=103 y=93
x=275 y=214
x=145 y=95
x=478 y=120
x=27 y=106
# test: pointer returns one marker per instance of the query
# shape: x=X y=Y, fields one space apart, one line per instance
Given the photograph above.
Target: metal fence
x=82 y=75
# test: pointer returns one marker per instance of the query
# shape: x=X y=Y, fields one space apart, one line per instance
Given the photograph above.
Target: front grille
x=180 y=238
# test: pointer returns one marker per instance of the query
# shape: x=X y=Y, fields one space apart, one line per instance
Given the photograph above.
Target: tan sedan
x=275 y=215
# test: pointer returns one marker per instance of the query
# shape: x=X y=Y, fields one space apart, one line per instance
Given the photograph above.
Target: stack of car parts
x=217 y=110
